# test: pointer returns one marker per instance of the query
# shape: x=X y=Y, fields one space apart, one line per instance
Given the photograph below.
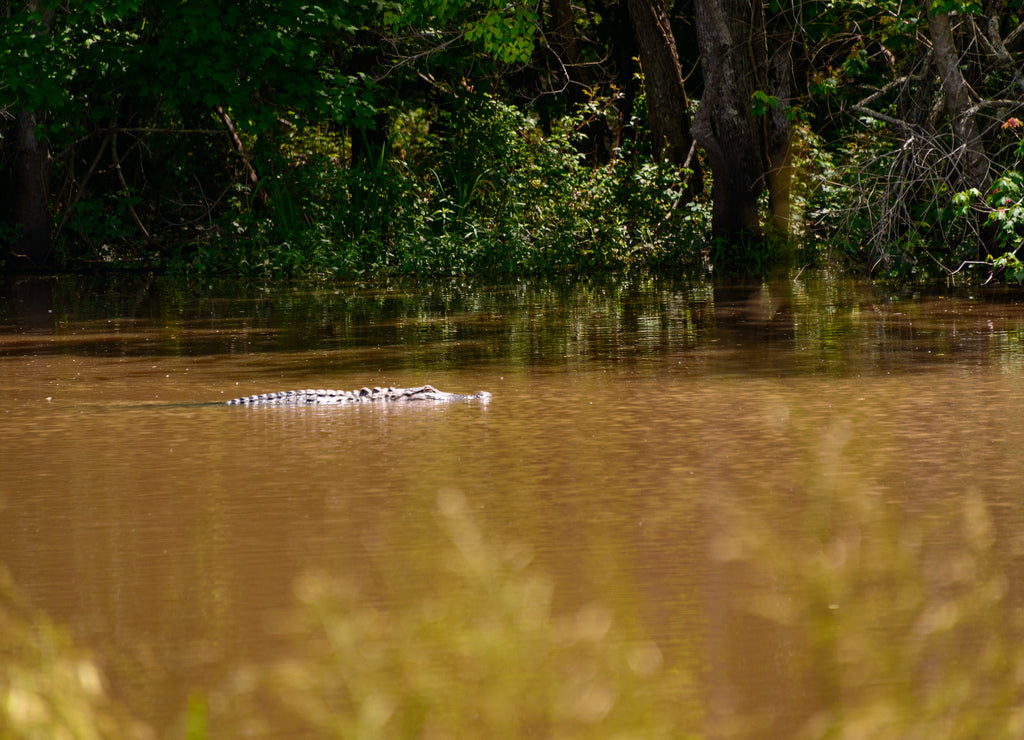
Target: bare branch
x=405 y=61
x=998 y=49
x=81 y=186
x=1014 y=37
x=120 y=176
x=983 y=104
x=892 y=121
x=884 y=90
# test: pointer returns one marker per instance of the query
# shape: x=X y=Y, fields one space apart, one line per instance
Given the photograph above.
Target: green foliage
x=762 y=103
x=503 y=30
x=1009 y=266
x=963 y=7
x=474 y=187
x=895 y=204
x=506 y=32
x=378 y=137
x=60 y=60
x=1006 y=200
x=1003 y=209
x=105 y=220
x=1004 y=206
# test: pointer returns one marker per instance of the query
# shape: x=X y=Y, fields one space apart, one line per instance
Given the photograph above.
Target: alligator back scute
x=322 y=396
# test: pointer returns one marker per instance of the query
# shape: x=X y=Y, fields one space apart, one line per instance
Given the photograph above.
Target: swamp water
x=785 y=510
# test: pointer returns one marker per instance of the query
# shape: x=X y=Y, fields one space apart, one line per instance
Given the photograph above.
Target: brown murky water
x=781 y=511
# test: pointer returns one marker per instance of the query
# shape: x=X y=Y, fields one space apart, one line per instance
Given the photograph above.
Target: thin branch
x=1014 y=36
x=236 y=142
x=871 y=113
x=81 y=188
x=997 y=49
x=144 y=130
x=405 y=61
x=124 y=184
x=151 y=130
x=884 y=89
x=1001 y=103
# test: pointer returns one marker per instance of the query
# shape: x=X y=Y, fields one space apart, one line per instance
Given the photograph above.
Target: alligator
x=363 y=395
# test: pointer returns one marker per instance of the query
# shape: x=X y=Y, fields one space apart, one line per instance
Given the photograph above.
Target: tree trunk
x=31 y=191
x=972 y=160
x=725 y=124
x=778 y=127
x=567 y=46
x=969 y=157
x=31 y=179
x=747 y=153
x=667 y=105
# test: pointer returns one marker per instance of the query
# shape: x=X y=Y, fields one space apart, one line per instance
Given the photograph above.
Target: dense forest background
x=369 y=137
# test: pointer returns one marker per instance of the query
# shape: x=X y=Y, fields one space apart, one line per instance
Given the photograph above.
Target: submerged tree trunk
x=667 y=104
x=31 y=191
x=725 y=124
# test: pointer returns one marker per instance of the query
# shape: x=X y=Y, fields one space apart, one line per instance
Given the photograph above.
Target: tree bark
x=725 y=125
x=996 y=46
x=567 y=44
x=568 y=48
x=972 y=161
x=31 y=180
x=778 y=127
x=667 y=104
x=747 y=152
x=31 y=193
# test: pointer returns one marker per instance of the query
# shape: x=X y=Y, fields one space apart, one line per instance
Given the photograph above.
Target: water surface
x=788 y=509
